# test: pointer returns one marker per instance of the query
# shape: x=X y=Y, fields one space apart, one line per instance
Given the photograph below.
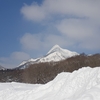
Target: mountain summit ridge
x=56 y=53
x=56 y=48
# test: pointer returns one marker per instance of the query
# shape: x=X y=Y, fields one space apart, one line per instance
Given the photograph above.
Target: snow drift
x=83 y=84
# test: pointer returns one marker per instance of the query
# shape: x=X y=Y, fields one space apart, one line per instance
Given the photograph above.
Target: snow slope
x=83 y=84
x=55 y=54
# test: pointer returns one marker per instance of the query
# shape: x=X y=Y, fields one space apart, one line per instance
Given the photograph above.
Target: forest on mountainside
x=45 y=72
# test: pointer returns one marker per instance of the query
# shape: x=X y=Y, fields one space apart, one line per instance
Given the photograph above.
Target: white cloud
x=61 y=40
x=77 y=29
x=91 y=43
x=14 y=59
x=33 y=12
x=78 y=8
x=43 y=41
x=20 y=56
x=31 y=41
x=81 y=31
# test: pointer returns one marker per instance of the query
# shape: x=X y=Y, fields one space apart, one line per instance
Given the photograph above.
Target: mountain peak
x=54 y=48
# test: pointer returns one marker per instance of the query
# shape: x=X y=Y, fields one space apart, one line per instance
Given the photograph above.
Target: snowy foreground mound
x=83 y=84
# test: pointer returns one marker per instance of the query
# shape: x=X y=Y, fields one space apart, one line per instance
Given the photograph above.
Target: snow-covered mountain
x=55 y=54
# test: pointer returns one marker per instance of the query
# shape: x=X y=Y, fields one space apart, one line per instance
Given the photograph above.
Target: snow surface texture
x=55 y=54
x=83 y=84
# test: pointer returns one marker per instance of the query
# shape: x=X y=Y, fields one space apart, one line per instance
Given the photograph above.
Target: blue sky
x=29 y=28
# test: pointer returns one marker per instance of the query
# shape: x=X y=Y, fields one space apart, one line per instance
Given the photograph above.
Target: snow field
x=83 y=84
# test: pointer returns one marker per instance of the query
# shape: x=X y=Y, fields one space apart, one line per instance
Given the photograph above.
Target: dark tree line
x=45 y=72
x=11 y=75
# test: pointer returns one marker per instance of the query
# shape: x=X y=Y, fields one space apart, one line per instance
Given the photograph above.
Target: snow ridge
x=57 y=48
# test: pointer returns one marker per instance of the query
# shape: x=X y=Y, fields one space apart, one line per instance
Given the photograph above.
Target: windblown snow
x=83 y=84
